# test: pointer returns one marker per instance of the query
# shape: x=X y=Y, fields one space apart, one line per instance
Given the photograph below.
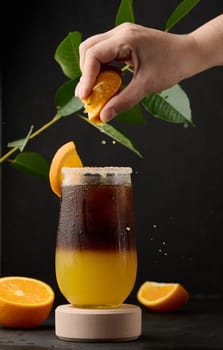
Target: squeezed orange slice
x=66 y=156
x=24 y=302
x=162 y=297
x=108 y=83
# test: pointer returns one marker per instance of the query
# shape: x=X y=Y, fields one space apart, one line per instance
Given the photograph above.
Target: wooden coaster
x=92 y=325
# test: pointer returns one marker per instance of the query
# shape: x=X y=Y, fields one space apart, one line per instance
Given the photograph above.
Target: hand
x=155 y=56
x=159 y=60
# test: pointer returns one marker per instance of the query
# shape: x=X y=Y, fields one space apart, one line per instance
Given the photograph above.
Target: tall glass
x=96 y=260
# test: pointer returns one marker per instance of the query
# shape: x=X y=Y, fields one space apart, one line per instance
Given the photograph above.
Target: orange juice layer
x=96 y=278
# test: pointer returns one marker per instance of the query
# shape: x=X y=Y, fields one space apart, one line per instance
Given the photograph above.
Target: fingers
x=87 y=81
x=91 y=60
x=125 y=100
x=88 y=43
x=114 y=45
x=101 y=53
x=98 y=50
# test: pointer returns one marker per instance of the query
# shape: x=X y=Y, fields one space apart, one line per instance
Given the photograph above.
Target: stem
x=34 y=134
x=8 y=154
x=127 y=67
x=45 y=126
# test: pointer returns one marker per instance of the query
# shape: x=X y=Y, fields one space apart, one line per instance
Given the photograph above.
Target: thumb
x=124 y=100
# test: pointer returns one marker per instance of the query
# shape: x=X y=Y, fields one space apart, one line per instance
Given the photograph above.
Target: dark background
x=178 y=185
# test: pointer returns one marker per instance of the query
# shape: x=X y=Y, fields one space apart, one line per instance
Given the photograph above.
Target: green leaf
x=65 y=100
x=180 y=11
x=21 y=143
x=67 y=55
x=125 y=13
x=118 y=136
x=171 y=105
x=72 y=106
x=115 y=134
x=133 y=116
x=31 y=163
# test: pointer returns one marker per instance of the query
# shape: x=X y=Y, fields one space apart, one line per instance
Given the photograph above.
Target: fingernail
x=108 y=115
x=80 y=92
x=80 y=89
x=76 y=91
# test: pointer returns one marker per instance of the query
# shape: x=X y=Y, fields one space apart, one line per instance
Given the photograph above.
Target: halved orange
x=24 y=302
x=162 y=297
x=66 y=156
x=108 y=83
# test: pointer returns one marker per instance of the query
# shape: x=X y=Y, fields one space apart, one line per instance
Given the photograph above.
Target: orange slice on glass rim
x=24 y=302
x=108 y=83
x=162 y=297
x=66 y=156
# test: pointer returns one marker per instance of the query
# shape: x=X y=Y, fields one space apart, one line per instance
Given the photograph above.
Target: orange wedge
x=162 y=297
x=108 y=83
x=66 y=156
x=24 y=302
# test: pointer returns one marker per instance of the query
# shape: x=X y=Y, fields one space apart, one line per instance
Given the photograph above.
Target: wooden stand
x=98 y=325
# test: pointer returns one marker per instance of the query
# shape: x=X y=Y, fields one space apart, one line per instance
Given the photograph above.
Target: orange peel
x=24 y=302
x=66 y=156
x=162 y=297
x=108 y=83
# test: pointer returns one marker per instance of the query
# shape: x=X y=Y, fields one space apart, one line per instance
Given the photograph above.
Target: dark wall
x=178 y=185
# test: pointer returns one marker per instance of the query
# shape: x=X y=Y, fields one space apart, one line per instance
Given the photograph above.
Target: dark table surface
x=199 y=325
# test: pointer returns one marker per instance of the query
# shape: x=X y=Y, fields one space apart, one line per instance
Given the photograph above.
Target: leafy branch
x=171 y=105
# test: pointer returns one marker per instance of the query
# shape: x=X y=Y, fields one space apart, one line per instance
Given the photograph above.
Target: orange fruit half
x=66 y=156
x=108 y=83
x=24 y=302
x=162 y=297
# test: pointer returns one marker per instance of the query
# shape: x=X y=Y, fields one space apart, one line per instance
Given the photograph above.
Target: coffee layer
x=96 y=217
